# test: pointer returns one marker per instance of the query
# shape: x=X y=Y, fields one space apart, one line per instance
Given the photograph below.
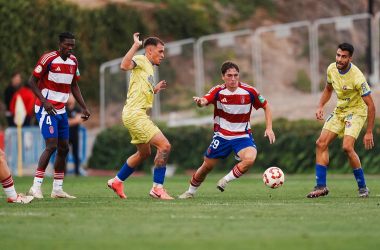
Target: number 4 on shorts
x=48 y=120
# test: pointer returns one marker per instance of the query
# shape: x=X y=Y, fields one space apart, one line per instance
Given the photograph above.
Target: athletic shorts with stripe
x=221 y=148
x=53 y=125
x=140 y=127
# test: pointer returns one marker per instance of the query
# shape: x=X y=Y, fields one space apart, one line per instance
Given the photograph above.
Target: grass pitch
x=248 y=215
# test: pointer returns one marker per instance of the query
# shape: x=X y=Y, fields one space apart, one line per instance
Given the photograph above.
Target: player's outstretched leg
x=234 y=174
x=194 y=185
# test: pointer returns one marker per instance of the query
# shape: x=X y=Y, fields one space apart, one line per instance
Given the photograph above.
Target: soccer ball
x=273 y=177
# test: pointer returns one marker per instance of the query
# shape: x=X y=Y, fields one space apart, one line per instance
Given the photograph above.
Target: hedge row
x=293 y=151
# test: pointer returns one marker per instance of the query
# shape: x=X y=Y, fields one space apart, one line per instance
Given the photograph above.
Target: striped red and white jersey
x=233 y=109
x=56 y=76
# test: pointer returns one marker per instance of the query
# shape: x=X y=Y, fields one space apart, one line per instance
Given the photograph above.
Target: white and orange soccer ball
x=273 y=177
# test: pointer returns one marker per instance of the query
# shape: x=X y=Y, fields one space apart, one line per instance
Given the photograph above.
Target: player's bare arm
x=268 y=118
x=160 y=86
x=368 y=137
x=326 y=95
x=75 y=90
x=127 y=63
x=33 y=82
x=200 y=101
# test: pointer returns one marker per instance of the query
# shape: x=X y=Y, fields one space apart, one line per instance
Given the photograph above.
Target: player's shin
x=9 y=188
x=359 y=176
x=159 y=177
x=234 y=174
x=194 y=185
x=320 y=174
x=124 y=172
x=58 y=180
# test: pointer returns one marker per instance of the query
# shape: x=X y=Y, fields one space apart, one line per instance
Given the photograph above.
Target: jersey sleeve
x=138 y=61
x=362 y=86
x=76 y=74
x=40 y=68
x=328 y=77
x=212 y=94
x=258 y=101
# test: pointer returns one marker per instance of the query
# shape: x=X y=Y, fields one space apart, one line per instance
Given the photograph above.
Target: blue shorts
x=221 y=148
x=53 y=125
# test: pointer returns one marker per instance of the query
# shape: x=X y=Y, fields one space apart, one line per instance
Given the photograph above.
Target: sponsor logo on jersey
x=224 y=100
x=51 y=129
x=38 y=69
x=344 y=87
x=151 y=80
x=261 y=98
x=58 y=69
x=348 y=124
x=349 y=116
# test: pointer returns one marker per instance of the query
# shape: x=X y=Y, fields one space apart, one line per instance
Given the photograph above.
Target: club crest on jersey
x=344 y=87
x=242 y=99
x=348 y=124
x=349 y=116
x=38 y=69
x=71 y=69
x=51 y=130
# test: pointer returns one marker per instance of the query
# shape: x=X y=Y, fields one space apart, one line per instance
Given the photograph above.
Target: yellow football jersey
x=141 y=85
x=350 y=87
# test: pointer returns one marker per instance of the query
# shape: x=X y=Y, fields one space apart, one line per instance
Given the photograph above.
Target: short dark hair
x=153 y=41
x=65 y=35
x=347 y=47
x=227 y=65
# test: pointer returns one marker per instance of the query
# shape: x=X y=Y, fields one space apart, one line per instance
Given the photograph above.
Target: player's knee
x=321 y=144
x=348 y=149
x=51 y=148
x=249 y=161
x=167 y=147
x=63 y=150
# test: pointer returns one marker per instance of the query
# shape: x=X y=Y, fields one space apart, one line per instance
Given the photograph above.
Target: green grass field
x=248 y=215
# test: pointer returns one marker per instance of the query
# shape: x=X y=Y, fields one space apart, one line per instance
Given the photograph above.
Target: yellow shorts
x=140 y=127
x=345 y=124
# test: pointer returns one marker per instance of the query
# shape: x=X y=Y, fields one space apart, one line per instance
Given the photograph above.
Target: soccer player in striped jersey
x=354 y=105
x=7 y=183
x=58 y=74
x=233 y=102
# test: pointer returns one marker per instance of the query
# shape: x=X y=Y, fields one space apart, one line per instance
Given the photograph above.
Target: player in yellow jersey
x=143 y=131
x=354 y=105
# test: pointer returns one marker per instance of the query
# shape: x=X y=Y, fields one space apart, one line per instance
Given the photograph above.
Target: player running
x=143 y=131
x=233 y=103
x=59 y=73
x=348 y=118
